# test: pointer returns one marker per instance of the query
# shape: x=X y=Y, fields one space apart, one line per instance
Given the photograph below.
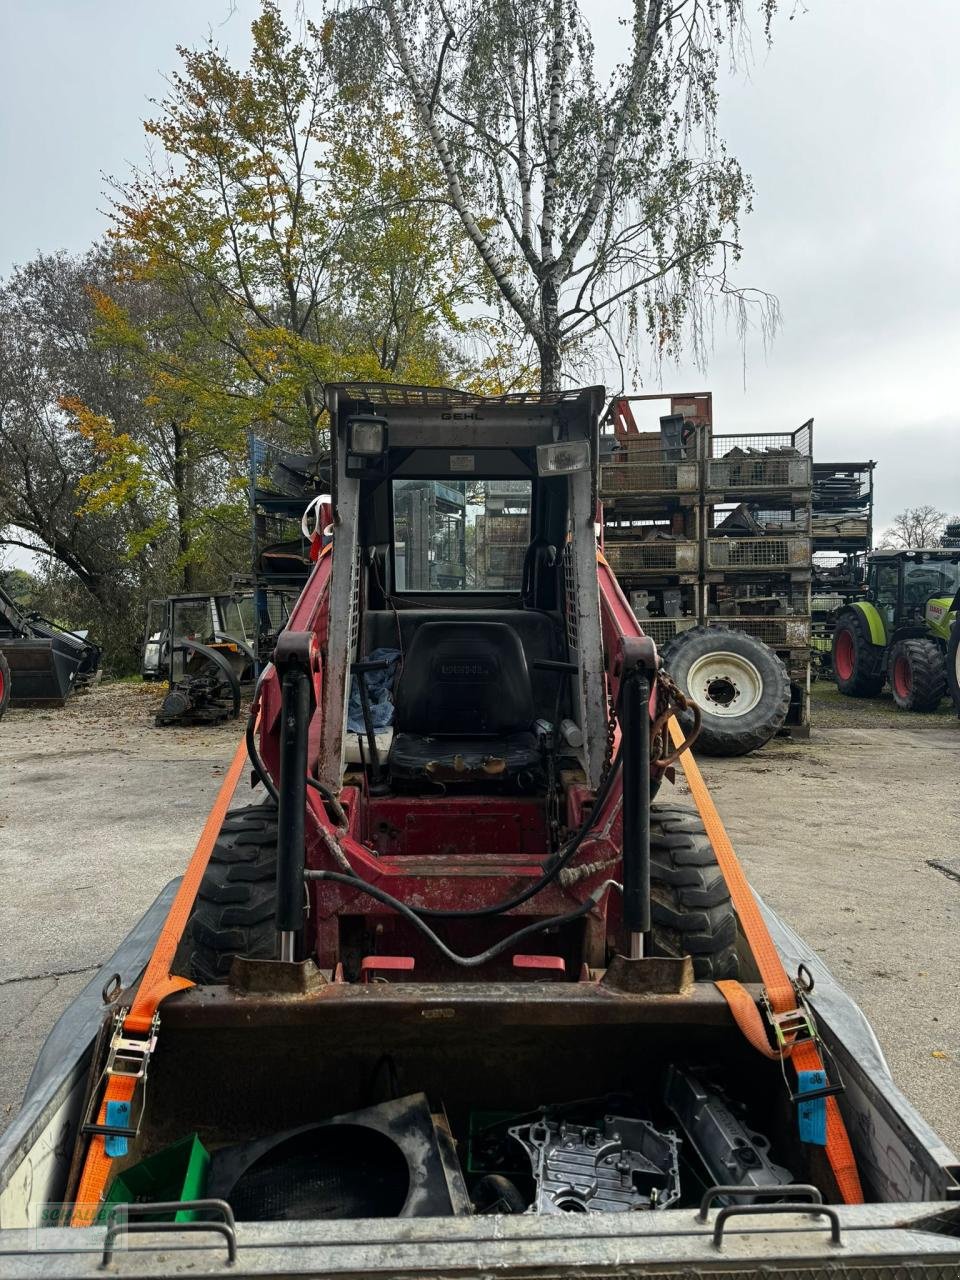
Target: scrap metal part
x=627 y=1164
x=733 y=1154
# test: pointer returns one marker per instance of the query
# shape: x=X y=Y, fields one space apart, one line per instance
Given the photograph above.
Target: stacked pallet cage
x=842 y=536
x=650 y=489
x=757 y=553
x=709 y=529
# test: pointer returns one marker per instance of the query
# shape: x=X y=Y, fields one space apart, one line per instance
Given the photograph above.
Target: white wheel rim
x=724 y=684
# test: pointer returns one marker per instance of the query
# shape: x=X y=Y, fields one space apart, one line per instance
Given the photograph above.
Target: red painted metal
x=370 y=966
x=446 y=852
x=549 y=963
x=902 y=677
x=843 y=654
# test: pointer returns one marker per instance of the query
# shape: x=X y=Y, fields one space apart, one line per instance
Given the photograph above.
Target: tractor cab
x=914 y=588
x=464 y=652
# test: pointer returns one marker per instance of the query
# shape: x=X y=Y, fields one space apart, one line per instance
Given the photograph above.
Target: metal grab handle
x=811 y=1210
x=226 y=1228
x=788 y=1189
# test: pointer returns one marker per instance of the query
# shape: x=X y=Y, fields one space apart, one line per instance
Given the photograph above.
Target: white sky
x=850 y=127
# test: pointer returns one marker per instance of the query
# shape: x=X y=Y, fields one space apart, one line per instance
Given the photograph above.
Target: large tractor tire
x=235 y=910
x=953 y=665
x=741 y=687
x=691 y=912
x=917 y=674
x=857 y=662
x=4 y=685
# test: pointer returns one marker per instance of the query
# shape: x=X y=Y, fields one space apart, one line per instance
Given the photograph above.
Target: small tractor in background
x=41 y=663
x=199 y=644
x=903 y=630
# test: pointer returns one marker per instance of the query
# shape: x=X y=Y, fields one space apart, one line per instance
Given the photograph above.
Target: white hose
x=310 y=520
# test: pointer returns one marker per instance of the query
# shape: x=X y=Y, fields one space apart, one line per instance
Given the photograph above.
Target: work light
x=366 y=436
x=562 y=458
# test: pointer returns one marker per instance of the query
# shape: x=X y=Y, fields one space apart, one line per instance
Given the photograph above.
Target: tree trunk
x=551 y=365
x=181 y=484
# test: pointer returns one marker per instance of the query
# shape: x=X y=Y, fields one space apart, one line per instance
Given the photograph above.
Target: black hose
x=469 y=962
x=260 y=769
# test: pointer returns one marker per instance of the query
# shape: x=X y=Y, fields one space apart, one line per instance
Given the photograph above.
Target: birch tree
x=602 y=206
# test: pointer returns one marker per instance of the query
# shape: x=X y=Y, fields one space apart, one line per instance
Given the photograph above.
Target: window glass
x=460 y=535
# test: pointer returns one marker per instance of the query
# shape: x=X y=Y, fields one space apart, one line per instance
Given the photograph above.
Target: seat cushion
x=450 y=759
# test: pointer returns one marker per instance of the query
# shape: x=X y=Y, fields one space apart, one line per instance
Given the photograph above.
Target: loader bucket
x=42 y=672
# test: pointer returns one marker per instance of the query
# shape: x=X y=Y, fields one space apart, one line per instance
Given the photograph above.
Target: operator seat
x=464 y=706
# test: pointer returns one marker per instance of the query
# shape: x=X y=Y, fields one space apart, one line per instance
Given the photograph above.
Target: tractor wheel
x=741 y=687
x=857 y=662
x=4 y=685
x=234 y=914
x=917 y=674
x=691 y=912
x=953 y=665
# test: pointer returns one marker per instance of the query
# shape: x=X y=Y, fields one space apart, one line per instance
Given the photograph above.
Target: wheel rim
x=844 y=654
x=902 y=677
x=724 y=684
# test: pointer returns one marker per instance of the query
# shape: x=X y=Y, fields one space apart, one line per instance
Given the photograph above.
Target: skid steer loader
x=449 y=994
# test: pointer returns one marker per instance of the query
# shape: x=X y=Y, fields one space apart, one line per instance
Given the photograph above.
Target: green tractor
x=904 y=630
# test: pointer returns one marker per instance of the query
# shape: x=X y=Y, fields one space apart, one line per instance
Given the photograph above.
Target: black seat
x=464 y=705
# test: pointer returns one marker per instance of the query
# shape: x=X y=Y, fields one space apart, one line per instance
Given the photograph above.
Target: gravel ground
x=98 y=810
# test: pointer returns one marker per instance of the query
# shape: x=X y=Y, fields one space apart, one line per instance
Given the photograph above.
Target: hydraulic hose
x=468 y=962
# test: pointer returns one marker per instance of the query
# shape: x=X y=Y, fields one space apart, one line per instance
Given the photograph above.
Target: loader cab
x=463 y=601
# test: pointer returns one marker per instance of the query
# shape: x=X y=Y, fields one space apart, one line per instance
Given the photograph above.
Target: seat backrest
x=541 y=636
x=464 y=678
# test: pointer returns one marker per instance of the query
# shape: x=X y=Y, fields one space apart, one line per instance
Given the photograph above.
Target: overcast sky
x=850 y=126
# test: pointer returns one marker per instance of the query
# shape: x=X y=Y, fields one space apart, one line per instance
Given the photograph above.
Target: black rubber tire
x=691 y=911
x=235 y=910
x=866 y=678
x=953 y=665
x=4 y=684
x=723 y=735
x=927 y=674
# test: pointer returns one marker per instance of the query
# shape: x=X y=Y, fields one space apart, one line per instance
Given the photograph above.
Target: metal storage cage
x=768 y=462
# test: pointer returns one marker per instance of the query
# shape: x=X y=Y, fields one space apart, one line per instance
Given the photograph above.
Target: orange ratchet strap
x=781 y=993
x=156 y=984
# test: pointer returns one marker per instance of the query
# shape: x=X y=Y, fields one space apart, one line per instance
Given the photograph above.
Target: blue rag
x=379 y=693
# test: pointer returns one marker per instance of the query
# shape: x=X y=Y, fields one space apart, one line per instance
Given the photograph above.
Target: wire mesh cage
x=634 y=475
x=757 y=552
x=504 y=560
x=781 y=632
x=664 y=554
x=798 y=443
x=662 y=630
x=509 y=530
x=752 y=474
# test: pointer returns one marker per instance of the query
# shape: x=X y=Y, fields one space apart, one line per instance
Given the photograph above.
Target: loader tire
x=953 y=666
x=234 y=913
x=917 y=674
x=690 y=907
x=857 y=661
x=4 y=685
x=740 y=685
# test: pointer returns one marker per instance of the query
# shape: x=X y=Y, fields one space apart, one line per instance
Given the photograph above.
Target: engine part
x=732 y=1153
x=209 y=690
x=627 y=1164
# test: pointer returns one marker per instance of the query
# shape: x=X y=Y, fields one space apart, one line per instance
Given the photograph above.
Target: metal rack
x=705 y=529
